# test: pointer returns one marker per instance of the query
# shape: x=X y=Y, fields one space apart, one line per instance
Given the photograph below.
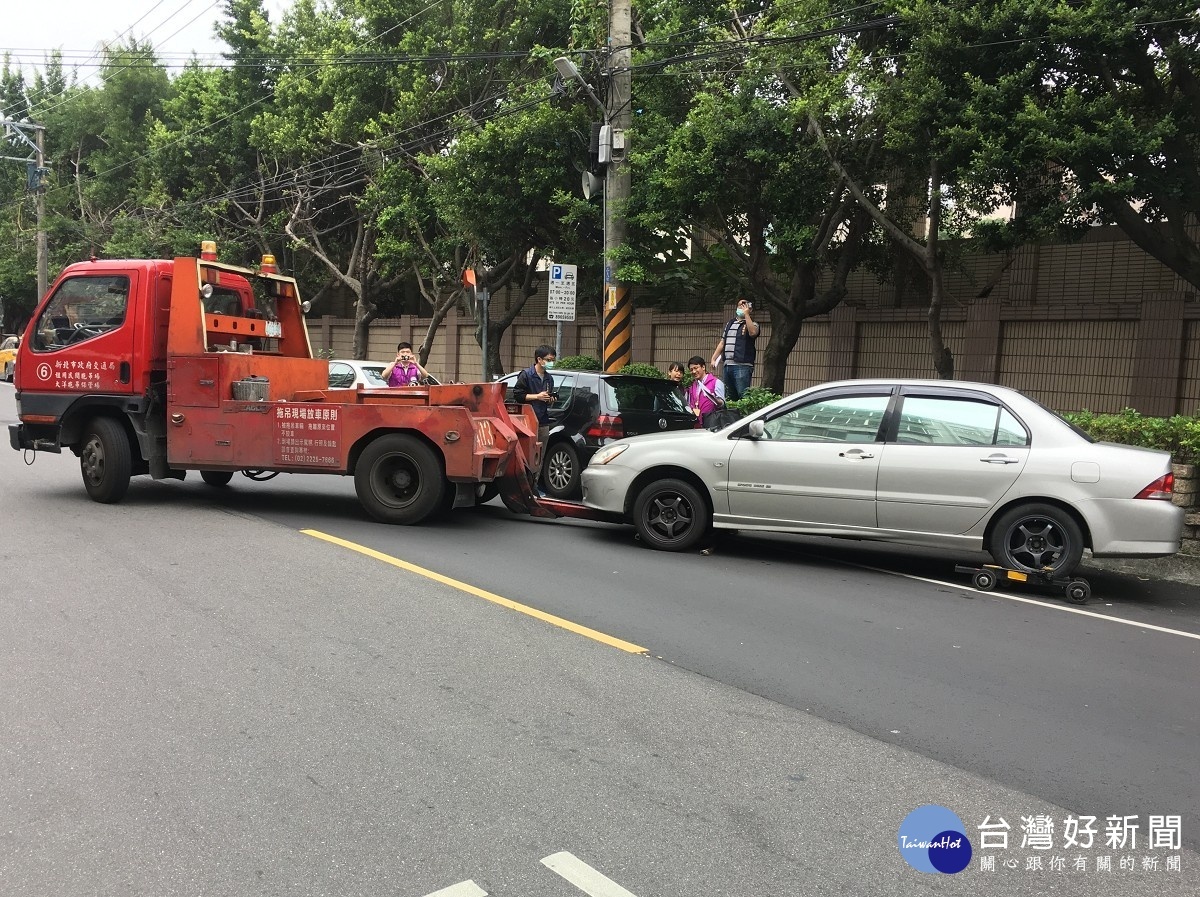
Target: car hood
x=666 y=436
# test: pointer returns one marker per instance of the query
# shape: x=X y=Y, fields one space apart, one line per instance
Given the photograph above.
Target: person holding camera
x=736 y=346
x=405 y=370
x=535 y=385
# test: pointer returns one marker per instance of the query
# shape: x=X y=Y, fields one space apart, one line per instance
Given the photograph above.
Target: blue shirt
x=535 y=384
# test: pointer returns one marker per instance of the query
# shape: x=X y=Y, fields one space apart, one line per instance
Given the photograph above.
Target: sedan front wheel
x=671 y=515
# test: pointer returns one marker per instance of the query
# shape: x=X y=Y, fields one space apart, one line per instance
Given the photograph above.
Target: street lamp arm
x=568 y=71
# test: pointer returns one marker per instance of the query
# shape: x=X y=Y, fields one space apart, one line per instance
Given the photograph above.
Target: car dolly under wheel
x=1076 y=589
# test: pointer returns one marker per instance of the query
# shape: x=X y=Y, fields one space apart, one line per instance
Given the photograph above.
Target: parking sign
x=560 y=305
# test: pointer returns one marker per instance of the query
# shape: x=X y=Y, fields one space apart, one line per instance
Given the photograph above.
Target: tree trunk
x=364 y=313
x=943 y=360
x=440 y=309
x=785 y=329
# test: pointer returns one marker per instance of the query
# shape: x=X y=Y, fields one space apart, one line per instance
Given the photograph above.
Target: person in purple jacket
x=706 y=393
x=405 y=370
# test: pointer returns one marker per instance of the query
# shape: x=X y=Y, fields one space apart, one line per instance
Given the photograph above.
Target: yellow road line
x=593 y=634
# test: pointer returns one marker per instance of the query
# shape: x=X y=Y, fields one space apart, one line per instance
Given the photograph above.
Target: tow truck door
x=83 y=339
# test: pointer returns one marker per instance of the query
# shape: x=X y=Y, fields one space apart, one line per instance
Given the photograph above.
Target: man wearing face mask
x=736 y=346
x=535 y=385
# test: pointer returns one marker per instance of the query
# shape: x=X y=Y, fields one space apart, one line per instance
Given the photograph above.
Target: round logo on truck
x=43 y=371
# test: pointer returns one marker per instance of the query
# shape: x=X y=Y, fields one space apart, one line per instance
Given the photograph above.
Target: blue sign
x=556 y=272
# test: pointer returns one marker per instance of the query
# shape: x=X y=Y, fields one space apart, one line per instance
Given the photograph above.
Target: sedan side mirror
x=755 y=430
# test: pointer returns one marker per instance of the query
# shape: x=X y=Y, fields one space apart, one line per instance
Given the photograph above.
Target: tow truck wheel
x=984 y=580
x=216 y=477
x=105 y=460
x=1078 y=591
x=399 y=479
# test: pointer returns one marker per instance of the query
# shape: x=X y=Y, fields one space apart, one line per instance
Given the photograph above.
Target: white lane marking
x=1010 y=597
x=583 y=876
x=462 y=889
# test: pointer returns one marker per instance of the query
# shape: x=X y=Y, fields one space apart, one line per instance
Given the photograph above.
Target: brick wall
x=1097 y=325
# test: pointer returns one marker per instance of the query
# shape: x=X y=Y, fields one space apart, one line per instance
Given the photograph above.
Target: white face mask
x=549 y=365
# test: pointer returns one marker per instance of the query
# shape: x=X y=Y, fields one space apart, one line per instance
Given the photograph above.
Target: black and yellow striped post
x=618 y=327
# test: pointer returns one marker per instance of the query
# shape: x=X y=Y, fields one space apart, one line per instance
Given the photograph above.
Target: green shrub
x=1178 y=435
x=641 y=369
x=577 y=363
x=756 y=398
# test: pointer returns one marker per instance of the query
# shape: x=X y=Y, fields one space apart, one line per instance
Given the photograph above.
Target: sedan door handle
x=998 y=459
x=855 y=455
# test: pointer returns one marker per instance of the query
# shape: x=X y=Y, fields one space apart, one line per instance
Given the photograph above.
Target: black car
x=593 y=409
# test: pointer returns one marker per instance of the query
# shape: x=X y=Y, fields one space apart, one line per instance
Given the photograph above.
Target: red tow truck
x=160 y=367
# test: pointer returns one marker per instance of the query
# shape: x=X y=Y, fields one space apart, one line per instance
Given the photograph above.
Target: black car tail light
x=606 y=426
x=1162 y=488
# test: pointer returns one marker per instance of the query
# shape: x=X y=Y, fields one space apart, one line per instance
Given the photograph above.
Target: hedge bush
x=577 y=363
x=756 y=398
x=641 y=369
x=1178 y=435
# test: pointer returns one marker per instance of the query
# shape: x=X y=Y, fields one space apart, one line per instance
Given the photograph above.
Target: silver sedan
x=939 y=463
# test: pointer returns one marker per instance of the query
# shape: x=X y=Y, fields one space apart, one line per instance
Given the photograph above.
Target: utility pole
x=43 y=270
x=617 y=342
x=15 y=132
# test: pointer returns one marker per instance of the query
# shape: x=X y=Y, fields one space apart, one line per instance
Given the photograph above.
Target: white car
x=345 y=373
x=349 y=373
x=939 y=463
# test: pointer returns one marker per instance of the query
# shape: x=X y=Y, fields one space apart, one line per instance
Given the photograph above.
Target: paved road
x=1094 y=715
x=200 y=699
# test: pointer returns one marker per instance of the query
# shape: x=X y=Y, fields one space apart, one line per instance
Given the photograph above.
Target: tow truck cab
x=161 y=367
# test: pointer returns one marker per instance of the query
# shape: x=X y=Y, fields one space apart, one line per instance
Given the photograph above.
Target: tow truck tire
x=671 y=515
x=216 y=477
x=1078 y=591
x=105 y=460
x=399 y=479
x=485 y=492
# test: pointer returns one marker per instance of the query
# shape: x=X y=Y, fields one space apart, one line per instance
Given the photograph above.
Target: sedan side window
x=946 y=421
x=835 y=419
x=341 y=376
x=564 y=386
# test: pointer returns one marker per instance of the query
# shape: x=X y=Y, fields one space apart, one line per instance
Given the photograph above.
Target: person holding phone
x=535 y=385
x=736 y=348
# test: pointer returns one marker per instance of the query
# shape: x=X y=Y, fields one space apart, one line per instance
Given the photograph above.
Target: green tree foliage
x=1095 y=118
x=722 y=159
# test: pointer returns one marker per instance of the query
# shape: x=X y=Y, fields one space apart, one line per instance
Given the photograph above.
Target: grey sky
x=176 y=28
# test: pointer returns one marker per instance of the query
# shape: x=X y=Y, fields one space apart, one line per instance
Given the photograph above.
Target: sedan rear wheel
x=1037 y=537
x=671 y=515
